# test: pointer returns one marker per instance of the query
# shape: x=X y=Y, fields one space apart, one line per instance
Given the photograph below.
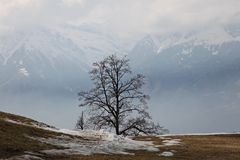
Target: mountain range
x=199 y=68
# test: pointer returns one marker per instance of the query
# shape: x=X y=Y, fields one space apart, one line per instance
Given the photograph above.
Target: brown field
x=214 y=147
x=14 y=141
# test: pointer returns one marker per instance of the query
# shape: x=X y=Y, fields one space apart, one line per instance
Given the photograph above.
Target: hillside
x=60 y=52
x=13 y=137
x=23 y=138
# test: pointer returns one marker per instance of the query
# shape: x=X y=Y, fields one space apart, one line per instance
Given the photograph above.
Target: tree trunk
x=117 y=127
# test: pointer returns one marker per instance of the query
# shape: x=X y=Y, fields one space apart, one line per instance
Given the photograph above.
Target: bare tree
x=117 y=100
x=80 y=122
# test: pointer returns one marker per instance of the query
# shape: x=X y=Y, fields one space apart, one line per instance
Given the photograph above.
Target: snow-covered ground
x=32 y=124
x=92 y=142
x=87 y=142
x=166 y=154
x=25 y=157
x=171 y=142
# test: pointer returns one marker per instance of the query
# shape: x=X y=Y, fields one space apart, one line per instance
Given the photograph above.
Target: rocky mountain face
x=189 y=60
x=42 y=58
x=191 y=76
x=50 y=60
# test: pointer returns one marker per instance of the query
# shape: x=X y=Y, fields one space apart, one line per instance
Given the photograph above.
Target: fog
x=125 y=18
x=202 y=95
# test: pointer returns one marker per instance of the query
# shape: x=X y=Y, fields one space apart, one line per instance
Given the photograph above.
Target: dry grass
x=21 y=119
x=14 y=138
x=214 y=147
x=16 y=118
x=217 y=147
x=14 y=141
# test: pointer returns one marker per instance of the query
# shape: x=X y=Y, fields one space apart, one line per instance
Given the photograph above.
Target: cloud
x=126 y=18
x=8 y=5
x=73 y=2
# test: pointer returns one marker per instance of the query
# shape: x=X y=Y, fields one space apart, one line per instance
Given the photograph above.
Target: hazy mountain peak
x=209 y=37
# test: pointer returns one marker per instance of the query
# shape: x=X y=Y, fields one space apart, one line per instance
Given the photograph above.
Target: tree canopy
x=117 y=100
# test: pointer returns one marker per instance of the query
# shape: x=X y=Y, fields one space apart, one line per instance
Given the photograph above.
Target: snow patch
x=24 y=72
x=215 y=53
x=206 y=38
x=187 y=51
x=12 y=121
x=90 y=142
x=33 y=124
x=171 y=142
x=25 y=157
x=167 y=154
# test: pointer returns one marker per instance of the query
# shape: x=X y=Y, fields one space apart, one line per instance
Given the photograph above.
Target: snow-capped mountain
x=96 y=43
x=51 y=58
x=193 y=78
x=198 y=70
x=45 y=58
x=188 y=59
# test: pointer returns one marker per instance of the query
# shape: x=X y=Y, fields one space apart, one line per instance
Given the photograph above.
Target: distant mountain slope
x=189 y=60
x=59 y=58
x=38 y=60
x=192 y=76
x=51 y=59
x=196 y=71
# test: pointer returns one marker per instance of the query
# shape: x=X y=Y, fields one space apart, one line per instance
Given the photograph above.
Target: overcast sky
x=132 y=18
x=124 y=17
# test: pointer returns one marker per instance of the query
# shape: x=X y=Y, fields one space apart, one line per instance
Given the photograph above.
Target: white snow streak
x=92 y=142
x=167 y=154
x=24 y=72
x=171 y=142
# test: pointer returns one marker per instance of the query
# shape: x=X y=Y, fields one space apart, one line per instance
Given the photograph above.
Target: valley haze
x=189 y=52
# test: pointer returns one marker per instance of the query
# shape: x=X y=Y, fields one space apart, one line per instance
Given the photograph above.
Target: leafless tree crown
x=117 y=101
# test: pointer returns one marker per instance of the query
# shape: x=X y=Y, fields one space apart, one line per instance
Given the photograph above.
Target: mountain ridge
x=198 y=76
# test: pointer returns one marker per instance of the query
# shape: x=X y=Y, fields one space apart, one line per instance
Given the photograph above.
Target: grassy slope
x=212 y=147
x=215 y=147
x=21 y=119
x=14 y=138
x=14 y=141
